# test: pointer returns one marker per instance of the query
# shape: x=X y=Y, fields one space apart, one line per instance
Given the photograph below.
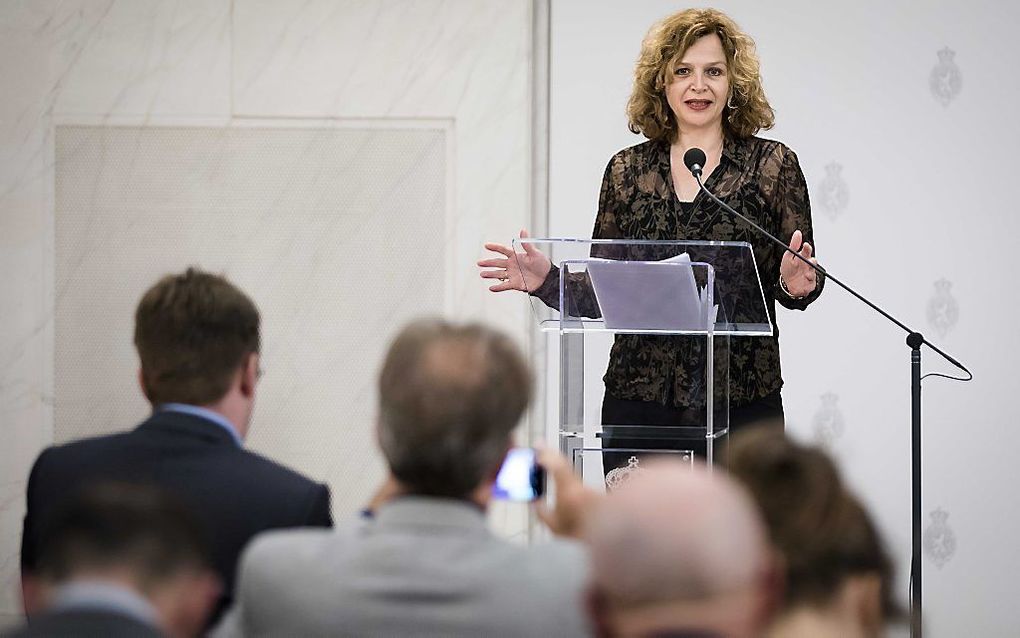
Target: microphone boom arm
x=825 y=273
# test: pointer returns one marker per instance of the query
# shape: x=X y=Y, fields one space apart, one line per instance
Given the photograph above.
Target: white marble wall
x=316 y=223
x=910 y=163
x=463 y=67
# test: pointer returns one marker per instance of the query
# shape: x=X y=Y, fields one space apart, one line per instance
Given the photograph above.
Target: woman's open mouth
x=698 y=105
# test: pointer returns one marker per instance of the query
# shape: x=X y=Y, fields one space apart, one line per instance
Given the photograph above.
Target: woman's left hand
x=800 y=278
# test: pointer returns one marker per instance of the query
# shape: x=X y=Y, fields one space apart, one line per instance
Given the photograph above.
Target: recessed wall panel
x=336 y=233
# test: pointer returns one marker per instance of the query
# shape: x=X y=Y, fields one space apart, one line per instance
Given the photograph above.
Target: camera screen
x=519 y=479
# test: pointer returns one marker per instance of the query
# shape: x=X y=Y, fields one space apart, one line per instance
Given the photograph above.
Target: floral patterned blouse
x=760 y=178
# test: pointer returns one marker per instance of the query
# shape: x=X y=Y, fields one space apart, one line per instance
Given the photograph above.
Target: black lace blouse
x=760 y=178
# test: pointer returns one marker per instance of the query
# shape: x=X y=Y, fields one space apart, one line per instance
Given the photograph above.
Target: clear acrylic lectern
x=623 y=291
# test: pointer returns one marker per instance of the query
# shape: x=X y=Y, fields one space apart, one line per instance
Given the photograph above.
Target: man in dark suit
x=198 y=340
x=121 y=560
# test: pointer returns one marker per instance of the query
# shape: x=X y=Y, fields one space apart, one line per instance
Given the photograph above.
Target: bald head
x=678 y=538
x=449 y=397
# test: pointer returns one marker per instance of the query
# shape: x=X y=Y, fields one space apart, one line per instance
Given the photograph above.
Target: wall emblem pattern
x=939 y=541
x=945 y=80
x=943 y=309
x=828 y=423
x=835 y=194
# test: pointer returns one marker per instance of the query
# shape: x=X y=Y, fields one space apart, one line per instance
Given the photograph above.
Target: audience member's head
x=198 y=340
x=449 y=397
x=837 y=572
x=680 y=551
x=130 y=538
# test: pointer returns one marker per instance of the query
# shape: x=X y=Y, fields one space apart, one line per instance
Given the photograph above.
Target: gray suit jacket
x=422 y=567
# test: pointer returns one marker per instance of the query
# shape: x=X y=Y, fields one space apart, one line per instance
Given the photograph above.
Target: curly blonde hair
x=648 y=111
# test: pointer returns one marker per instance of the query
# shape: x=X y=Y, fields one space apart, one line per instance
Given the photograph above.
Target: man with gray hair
x=422 y=562
x=680 y=552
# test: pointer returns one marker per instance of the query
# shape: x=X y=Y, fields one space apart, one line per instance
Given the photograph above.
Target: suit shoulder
x=560 y=550
x=547 y=574
x=281 y=475
x=93 y=442
x=285 y=550
x=283 y=541
x=567 y=558
x=58 y=455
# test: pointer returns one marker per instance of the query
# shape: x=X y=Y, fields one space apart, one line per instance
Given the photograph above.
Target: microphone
x=694 y=160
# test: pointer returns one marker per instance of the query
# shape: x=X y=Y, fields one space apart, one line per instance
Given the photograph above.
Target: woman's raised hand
x=525 y=271
x=800 y=279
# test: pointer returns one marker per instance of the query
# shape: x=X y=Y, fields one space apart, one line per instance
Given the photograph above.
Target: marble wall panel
x=316 y=224
x=466 y=60
x=25 y=261
x=160 y=63
x=145 y=57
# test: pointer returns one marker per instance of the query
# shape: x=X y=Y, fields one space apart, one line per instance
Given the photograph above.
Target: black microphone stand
x=914 y=340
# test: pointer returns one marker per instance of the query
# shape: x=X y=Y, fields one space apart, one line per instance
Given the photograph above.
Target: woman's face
x=699 y=86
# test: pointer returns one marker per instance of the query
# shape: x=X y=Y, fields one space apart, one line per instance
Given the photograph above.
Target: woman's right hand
x=524 y=271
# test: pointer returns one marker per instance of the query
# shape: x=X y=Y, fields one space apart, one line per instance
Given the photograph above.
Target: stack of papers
x=651 y=295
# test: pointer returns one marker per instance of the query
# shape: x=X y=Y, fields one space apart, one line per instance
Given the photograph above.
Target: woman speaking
x=697 y=84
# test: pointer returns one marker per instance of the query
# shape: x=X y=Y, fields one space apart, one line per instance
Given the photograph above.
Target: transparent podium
x=620 y=300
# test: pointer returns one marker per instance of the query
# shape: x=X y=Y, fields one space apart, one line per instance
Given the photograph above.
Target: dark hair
x=193 y=331
x=822 y=530
x=118 y=525
x=449 y=396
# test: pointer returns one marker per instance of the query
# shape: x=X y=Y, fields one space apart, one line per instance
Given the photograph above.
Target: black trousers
x=767 y=411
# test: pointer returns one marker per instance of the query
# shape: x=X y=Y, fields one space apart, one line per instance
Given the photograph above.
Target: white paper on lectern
x=642 y=295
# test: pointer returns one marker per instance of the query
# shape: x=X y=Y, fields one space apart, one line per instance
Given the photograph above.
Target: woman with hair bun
x=697 y=84
x=838 y=576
